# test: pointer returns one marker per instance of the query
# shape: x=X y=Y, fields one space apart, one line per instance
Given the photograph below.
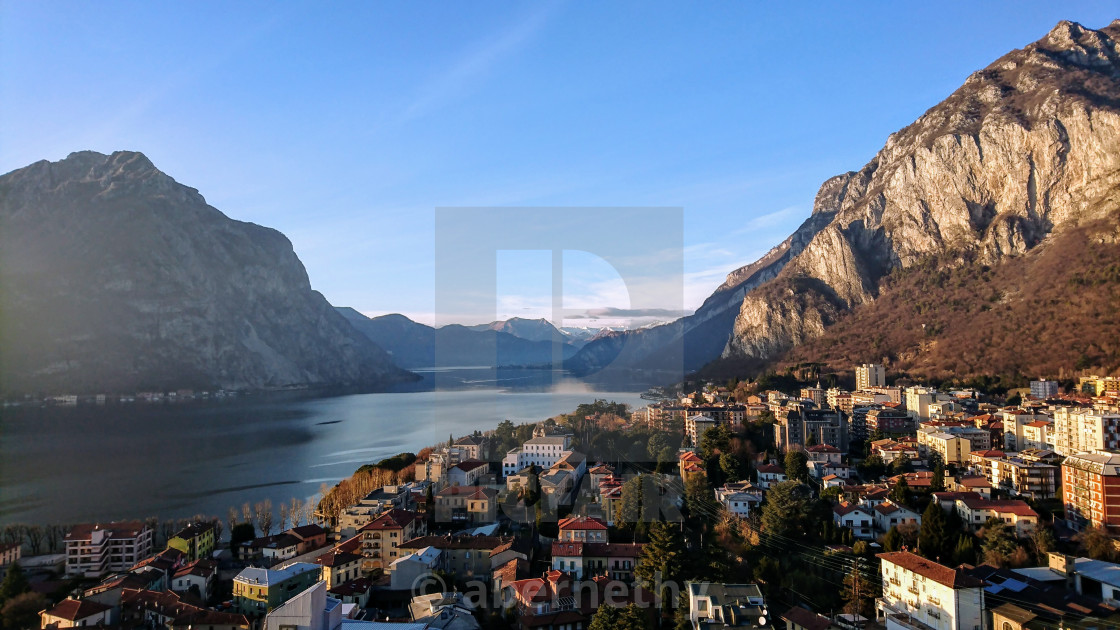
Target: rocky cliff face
x=1026 y=148
x=116 y=278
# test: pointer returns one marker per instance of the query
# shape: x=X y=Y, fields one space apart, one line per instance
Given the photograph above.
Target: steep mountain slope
x=116 y=278
x=531 y=329
x=1026 y=149
x=415 y=345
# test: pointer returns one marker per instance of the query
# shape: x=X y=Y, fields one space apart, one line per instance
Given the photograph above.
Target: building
x=543 y=451
x=582 y=529
x=1091 y=490
x=769 y=475
x=467 y=557
x=409 y=570
x=974 y=511
x=161 y=609
x=1041 y=390
x=584 y=560
x=888 y=422
x=339 y=566
x=798 y=618
x=870 y=375
x=74 y=613
x=1083 y=430
x=467 y=473
x=382 y=537
x=919 y=594
x=712 y=606
x=197 y=577
x=695 y=426
x=311 y=609
x=257 y=591
x=953 y=449
x=740 y=498
x=855 y=517
x=196 y=540
x=825 y=426
x=475 y=505
x=9 y=553
x=889 y=514
x=1025 y=478
x=93 y=550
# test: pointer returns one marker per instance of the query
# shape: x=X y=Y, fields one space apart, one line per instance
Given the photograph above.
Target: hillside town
x=761 y=504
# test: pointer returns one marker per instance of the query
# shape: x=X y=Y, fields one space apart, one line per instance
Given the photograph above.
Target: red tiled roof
x=123 y=529
x=304 y=532
x=469 y=465
x=470 y=492
x=770 y=468
x=75 y=609
x=953 y=578
x=393 y=519
x=337 y=558
x=582 y=523
x=822 y=448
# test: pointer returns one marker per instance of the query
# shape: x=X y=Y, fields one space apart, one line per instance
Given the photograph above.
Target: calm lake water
x=115 y=461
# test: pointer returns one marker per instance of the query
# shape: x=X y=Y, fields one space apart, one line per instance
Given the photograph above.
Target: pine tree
x=937 y=484
x=663 y=557
x=893 y=540
x=965 y=551
x=900 y=494
x=933 y=539
x=15 y=583
x=797 y=466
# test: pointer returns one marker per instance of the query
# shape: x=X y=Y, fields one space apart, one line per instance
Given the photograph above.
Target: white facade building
x=919 y=594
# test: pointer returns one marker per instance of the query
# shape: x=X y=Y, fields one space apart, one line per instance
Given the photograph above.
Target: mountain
x=116 y=278
x=1018 y=171
x=531 y=329
x=415 y=345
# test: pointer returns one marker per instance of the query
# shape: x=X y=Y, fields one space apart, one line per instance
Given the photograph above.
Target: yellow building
x=196 y=541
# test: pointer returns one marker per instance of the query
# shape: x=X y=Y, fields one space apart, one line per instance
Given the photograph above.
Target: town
x=751 y=504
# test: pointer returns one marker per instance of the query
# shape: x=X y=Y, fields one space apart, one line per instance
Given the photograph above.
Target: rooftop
x=953 y=578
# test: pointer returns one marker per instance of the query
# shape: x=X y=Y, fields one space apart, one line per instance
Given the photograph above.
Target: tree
x=892 y=541
x=797 y=466
x=1043 y=541
x=663 y=557
x=295 y=512
x=700 y=498
x=732 y=467
x=998 y=543
x=283 y=516
x=22 y=611
x=900 y=494
x=715 y=439
x=262 y=512
x=657 y=443
x=832 y=494
x=15 y=583
x=937 y=484
x=787 y=505
x=605 y=618
x=859 y=591
x=241 y=532
x=631 y=509
x=872 y=468
x=965 y=551
x=1096 y=543
x=933 y=539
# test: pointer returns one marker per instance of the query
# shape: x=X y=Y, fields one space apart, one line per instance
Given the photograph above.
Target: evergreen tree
x=797 y=466
x=22 y=611
x=606 y=618
x=700 y=499
x=731 y=466
x=933 y=539
x=965 y=551
x=631 y=509
x=859 y=591
x=892 y=541
x=999 y=543
x=785 y=510
x=937 y=484
x=663 y=556
x=900 y=494
x=15 y=583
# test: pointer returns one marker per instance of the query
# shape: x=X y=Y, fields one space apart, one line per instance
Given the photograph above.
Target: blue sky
x=346 y=128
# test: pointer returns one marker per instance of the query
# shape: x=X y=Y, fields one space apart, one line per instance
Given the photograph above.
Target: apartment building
x=920 y=594
x=93 y=549
x=543 y=451
x=1083 y=430
x=824 y=425
x=695 y=426
x=257 y=591
x=1091 y=490
x=382 y=537
x=870 y=375
x=196 y=540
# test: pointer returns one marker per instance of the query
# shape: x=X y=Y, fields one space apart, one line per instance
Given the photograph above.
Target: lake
x=134 y=460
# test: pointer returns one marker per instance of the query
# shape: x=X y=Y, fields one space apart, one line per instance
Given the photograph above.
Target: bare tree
x=219 y=528
x=248 y=515
x=14 y=533
x=35 y=538
x=167 y=529
x=264 y=517
x=55 y=533
x=283 y=516
x=231 y=518
x=296 y=512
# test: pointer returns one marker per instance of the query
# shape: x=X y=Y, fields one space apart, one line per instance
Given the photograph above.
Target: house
x=467 y=473
x=889 y=514
x=832 y=481
x=400 y=497
x=339 y=566
x=355 y=591
x=582 y=529
x=408 y=572
x=855 y=517
x=271 y=550
x=382 y=537
x=152 y=609
x=543 y=451
x=311 y=537
x=825 y=453
x=553 y=601
x=769 y=475
x=690 y=464
x=972 y=483
x=695 y=426
x=712 y=606
x=196 y=540
x=890 y=450
x=93 y=550
x=975 y=511
x=476 y=505
x=73 y=613
x=197 y=577
x=258 y=591
x=9 y=553
x=467 y=557
x=740 y=498
x=472 y=447
x=925 y=592
x=586 y=559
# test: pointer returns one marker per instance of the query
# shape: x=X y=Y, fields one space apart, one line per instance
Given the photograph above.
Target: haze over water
x=171 y=460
